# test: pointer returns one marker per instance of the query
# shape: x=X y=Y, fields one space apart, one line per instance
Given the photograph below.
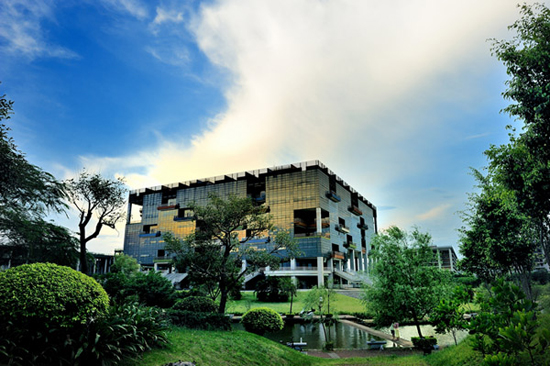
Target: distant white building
x=445 y=257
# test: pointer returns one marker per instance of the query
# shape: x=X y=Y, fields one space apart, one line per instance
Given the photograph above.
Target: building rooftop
x=302 y=166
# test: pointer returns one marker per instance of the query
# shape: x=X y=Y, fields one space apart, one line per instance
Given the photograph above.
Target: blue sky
x=399 y=98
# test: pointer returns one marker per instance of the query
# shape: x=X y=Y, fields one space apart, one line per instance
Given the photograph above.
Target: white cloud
x=435 y=212
x=335 y=80
x=353 y=84
x=168 y=16
x=133 y=7
x=21 y=29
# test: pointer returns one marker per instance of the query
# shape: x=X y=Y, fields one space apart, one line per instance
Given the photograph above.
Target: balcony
x=350 y=245
x=363 y=226
x=150 y=235
x=341 y=228
x=168 y=207
x=181 y=218
x=355 y=210
x=162 y=259
x=331 y=195
x=338 y=255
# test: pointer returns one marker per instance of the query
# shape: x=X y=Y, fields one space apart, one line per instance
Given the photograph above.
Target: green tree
x=500 y=239
x=92 y=195
x=406 y=286
x=448 y=315
x=274 y=289
x=125 y=264
x=523 y=166
x=213 y=254
x=27 y=195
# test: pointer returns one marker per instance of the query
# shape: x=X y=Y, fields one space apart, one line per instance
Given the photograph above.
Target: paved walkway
x=349 y=353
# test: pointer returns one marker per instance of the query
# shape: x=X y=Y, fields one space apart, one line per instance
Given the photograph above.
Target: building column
x=318 y=220
x=352 y=260
x=330 y=265
x=243 y=265
x=451 y=260
x=320 y=276
x=292 y=264
x=156 y=266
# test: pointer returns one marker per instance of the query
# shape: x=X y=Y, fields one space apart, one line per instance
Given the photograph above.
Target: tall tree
x=406 y=286
x=213 y=254
x=96 y=198
x=499 y=239
x=27 y=195
x=524 y=164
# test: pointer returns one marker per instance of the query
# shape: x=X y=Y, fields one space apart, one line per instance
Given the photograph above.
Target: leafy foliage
x=27 y=195
x=199 y=320
x=49 y=294
x=424 y=344
x=321 y=298
x=511 y=215
x=149 y=289
x=199 y=304
x=125 y=264
x=274 y=289
x=261 y=320
x=500 y=238
x=406 y=286
x=92 y=195
x=212 y=256
x=123 y=331
x=506 y=328
x=152 y=289
x=448 y=316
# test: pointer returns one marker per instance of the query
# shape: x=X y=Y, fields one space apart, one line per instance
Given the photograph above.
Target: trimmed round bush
x=262 y=320
x=52 y=295
x=198 y=304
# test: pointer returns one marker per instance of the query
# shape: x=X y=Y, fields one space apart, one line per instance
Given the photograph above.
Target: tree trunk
x=418 y=328
x=83 y=259
x=223 y=300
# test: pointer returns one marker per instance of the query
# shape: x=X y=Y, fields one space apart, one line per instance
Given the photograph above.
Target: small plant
x=425 y=344
x=199 y=304
x=329 y=346
x=262 y=320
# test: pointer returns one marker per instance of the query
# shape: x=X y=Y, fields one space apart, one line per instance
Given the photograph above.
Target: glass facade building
x=332 y=223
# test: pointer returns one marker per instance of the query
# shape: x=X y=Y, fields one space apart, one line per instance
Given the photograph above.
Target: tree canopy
x=510 y=217
x=406 y=286
x=27 y=195
x=212 y=256
x=99 y=198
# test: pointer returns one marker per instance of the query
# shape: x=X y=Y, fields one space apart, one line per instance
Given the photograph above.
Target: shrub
x=199 y=304
x=199 y=320
x=152 y=289
x=426 y=344
x=261 y=320
x=50 y=295
x=274 y=289
x=125 y=330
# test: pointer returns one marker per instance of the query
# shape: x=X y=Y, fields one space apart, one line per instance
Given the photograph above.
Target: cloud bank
x=366 y=87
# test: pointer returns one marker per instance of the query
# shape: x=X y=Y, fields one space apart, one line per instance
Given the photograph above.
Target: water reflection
x=346 y=336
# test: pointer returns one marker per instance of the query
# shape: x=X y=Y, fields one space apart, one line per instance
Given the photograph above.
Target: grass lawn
x=217 y=348
x=341 y=305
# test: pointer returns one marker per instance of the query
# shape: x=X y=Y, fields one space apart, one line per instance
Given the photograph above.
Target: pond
x=346 y=336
